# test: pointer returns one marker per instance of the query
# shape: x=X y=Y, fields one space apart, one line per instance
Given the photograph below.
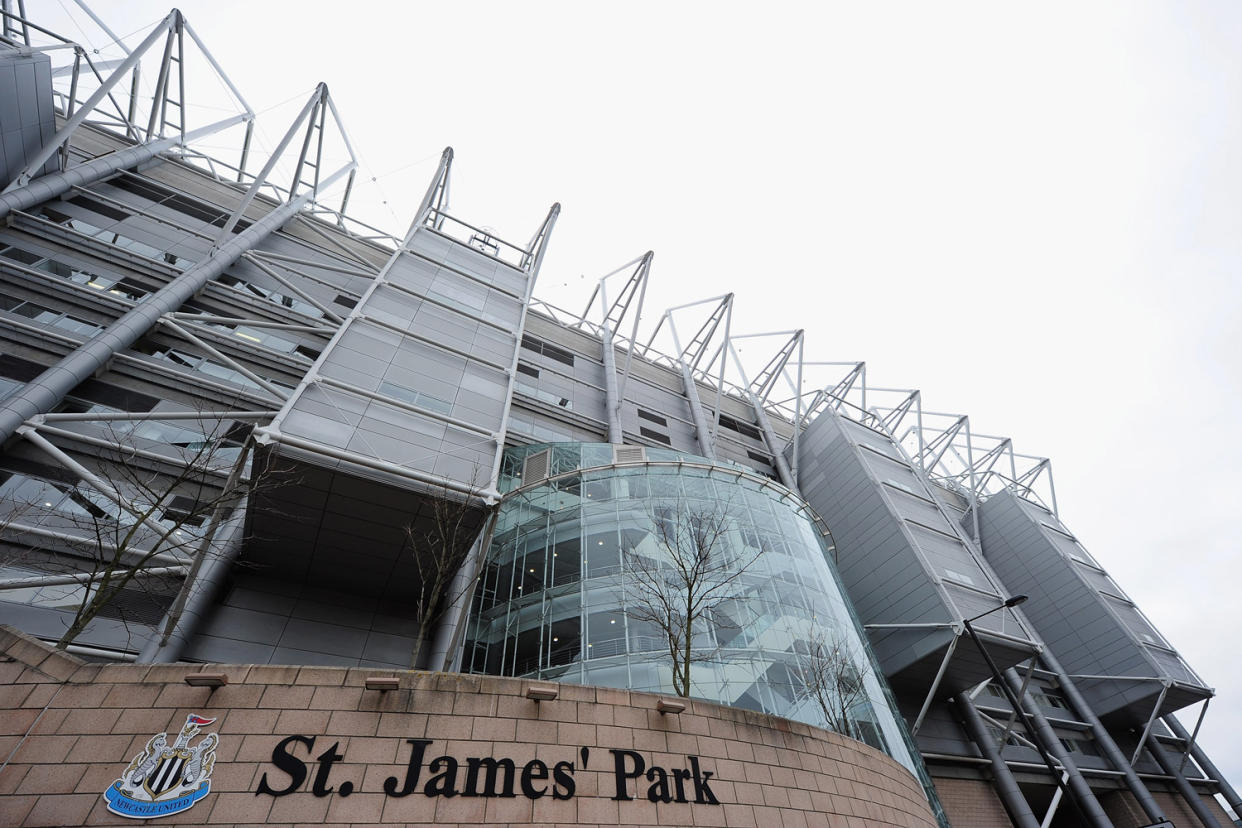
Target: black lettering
x=680 y=775
x=444 y=783
x=534 y=770
x=412 y=770
x=563 y=773
x=621 y=775
x=290 y=764
x=702 y=793
x=320 y=788
x=658 y=791
x=493 y=766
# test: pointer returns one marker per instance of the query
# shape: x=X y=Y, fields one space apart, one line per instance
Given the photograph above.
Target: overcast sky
x=1031 y=213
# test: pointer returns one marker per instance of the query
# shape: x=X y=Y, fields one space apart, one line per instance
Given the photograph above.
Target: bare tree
x=134 y=520
x=439 y=542
x=694 y=571
x=832 y=677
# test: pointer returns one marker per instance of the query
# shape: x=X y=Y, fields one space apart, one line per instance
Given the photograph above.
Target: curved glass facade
x=562 y=594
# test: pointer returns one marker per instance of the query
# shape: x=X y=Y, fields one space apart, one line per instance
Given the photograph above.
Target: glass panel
x=580 y=549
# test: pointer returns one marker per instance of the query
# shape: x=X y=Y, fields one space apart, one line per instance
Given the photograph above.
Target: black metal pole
x=1021 y=713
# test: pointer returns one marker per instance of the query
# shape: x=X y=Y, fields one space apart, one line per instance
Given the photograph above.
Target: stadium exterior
x=177 y=331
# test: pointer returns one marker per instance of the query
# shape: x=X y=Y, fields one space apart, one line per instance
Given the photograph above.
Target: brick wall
x=69 y=729
x=1176 y=809
x=971 y=803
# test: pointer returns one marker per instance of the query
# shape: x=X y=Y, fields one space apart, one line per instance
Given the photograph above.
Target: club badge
x=166 y=779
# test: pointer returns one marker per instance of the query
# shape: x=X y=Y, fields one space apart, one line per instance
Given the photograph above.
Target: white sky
x=1029 y=212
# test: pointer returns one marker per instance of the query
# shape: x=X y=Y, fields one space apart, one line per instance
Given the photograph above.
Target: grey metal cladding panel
x=1098 y=580
x=881 y=570
x=244 y=624
x=681 y=436
x=1133 y=620
x=413 y=273
x=43 y=88
x=942 y=550
x=215 y=650
x=886 y=468
x=492 y=345
x=940 y=731
x=27 y=93
x=1172 y=666
x=456 y=255
x=1065 y=543
x=970 y=603
x=1067 y=613
x=860 y=433
x=10 y=119
x=916 y=508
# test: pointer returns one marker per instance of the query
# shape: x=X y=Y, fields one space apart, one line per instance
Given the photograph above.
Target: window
x=110 y=236
x=654 y=418
x=523 y=368
x=290 y=302
x=545 y=396
x=47 y=316
x=194 y=362
x=19 y=255
x=655 y=435
x=1047 y=699
x=547 y=349
x=959 y=577
x=740 y=427
x=126 y=287
x=418 y=398
x=162 y=195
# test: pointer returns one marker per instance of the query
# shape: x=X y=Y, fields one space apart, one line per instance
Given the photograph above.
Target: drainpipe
x=45 y=391
x=1183 y=787
x=1011 y=795
x=1231 y=796
x=1078 y=785
x=1104 y=739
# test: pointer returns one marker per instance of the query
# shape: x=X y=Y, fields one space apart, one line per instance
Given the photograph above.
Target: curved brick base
x=70 y=730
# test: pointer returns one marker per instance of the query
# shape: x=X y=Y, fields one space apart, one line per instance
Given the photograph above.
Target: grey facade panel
x=1091 y=632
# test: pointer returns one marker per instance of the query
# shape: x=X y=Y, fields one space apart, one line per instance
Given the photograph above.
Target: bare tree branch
x=123 y=514
x=693 y=570
x=832 y=677
x=439 y=543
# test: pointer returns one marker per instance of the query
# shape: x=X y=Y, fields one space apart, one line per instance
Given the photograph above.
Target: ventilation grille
x=629 y=454
x=536 y=466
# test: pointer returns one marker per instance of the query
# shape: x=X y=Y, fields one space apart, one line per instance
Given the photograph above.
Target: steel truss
x=164 y=126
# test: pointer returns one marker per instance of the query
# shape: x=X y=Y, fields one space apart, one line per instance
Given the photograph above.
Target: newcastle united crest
x=166 y=779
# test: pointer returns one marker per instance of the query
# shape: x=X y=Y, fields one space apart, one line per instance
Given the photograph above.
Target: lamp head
x=1015 y=600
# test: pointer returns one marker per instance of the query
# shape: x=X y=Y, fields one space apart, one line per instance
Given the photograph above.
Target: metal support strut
x=1169 y=766
x=1201 y=758
x=44 y=392
x=1104 y=739
x=1078 y=786
x=1011 y=795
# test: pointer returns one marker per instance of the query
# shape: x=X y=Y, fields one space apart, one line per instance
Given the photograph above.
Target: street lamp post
x=1015 y=702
